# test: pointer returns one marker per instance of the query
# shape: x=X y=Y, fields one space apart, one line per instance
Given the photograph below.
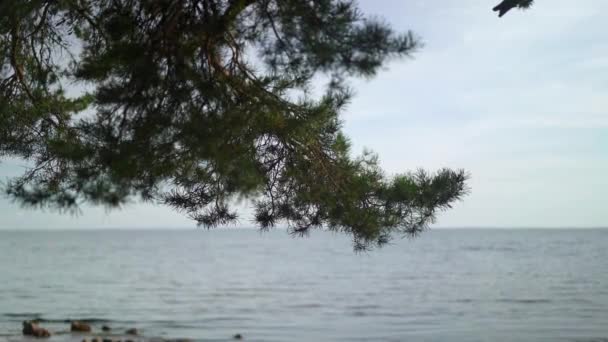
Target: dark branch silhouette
x=507 y=5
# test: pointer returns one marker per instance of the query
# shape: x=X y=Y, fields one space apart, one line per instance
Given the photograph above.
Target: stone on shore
x=32 y=329
x=77 y=326
x=131 y=331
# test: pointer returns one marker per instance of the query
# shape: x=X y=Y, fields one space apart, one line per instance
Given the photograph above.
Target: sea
x=451 y=285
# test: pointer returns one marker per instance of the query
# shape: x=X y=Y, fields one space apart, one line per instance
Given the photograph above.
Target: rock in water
x=238 y=337
x=77 y=326
x=32 y=329
x=131 y=331
x=28 y=328
x=105 y=328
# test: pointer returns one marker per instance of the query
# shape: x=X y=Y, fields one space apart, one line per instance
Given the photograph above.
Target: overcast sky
x=520 y=102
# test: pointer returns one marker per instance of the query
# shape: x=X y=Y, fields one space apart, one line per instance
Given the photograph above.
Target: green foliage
x=196 y=103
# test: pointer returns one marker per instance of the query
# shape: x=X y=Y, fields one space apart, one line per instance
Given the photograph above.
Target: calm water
x=448 y=285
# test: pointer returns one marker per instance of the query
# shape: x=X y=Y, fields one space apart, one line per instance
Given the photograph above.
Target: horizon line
x=182 y=228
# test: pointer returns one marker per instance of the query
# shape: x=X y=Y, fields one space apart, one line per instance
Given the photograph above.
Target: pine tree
x=197 y=103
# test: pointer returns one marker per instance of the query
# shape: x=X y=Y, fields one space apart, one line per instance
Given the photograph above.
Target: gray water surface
x=447 y=285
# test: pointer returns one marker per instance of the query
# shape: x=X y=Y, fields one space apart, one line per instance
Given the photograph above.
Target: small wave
x=363 y=307
x=233 y=318
x=391 y=314
x=85 y=320
x=24 y=296
x=22 y=314
x=490 y=249
x=525 y=301
x=464 y=300
x=182 y=325
x=38 y=318
x=305 y=306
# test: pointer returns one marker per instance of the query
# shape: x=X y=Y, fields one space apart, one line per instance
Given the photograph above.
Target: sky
x=519 y=102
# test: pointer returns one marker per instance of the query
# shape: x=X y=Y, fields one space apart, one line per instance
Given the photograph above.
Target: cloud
x=520 y=102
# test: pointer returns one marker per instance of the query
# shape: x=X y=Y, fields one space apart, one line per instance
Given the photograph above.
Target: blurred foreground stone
x=32 y=329
x=77 y=326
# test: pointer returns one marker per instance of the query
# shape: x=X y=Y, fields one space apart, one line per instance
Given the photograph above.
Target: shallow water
x=447 y=285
